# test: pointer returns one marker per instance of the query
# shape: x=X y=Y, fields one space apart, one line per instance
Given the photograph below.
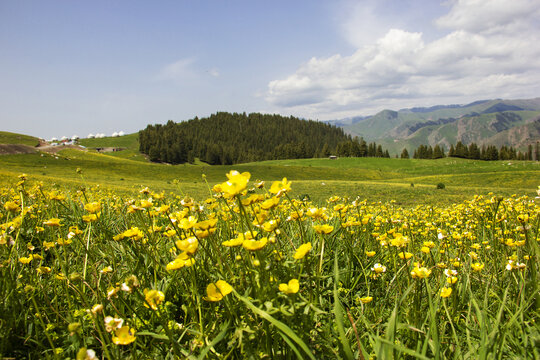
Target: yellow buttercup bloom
x=253 y=245
x=280 y=187
x=323 y=229
x=52 y=222
x=366 y=299
x=477 y=266
x=124 y=336
x=446 y=292
x=302 y=251
x=11 y=206
x=153 y=298
x=405 y=255
x=216 y=291
x=188 y=223
x=181 y=260
x=93 y=207
x=270 y=203
x=90 y=218
x=420 y=272
x=291 y=288
x=236 y=184
x=189 y=245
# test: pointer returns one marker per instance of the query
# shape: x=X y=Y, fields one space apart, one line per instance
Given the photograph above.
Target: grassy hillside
x=128 y=143
x=12 y=138
x=406 y=181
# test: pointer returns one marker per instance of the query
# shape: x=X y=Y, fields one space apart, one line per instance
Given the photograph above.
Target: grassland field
x=407 y=181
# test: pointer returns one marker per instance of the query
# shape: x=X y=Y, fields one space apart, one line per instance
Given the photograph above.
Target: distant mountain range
x=492 y=122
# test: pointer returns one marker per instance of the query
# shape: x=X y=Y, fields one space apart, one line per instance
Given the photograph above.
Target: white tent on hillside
x=91 y=136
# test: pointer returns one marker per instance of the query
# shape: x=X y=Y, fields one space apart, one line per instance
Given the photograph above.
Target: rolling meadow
x=107 y=255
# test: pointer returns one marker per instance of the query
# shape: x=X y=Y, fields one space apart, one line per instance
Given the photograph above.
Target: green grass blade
x=217 y=339
x=338 y=313
x=278 y=324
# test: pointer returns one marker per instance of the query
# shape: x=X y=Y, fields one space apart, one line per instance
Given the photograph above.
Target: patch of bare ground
x=10 y=149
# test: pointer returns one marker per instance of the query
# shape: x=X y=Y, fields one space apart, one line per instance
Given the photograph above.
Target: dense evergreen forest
x=473 y=151
x=231 y=138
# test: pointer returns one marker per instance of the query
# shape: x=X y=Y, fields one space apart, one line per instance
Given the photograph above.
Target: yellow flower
x=236 y=184
x=188 y=223
x=133 y=233
x=216 y=291
x=405 y=255
x=52 y=222
x=145 y=204
x=124 y=336
x=153 y=298
x=420 y=272
x=253 y=245
x=270 y=203
x=63 y=242
x=252 y=199
x=323 y=229
x=163 y=209
x=11 y=206
x=43 y=269
x=181 y=260
x=280 y=187
x=270 y=226
x=234 y=242
x=366 y=299
x=446 y=292
x=93 y=207
x=206 y=224
x=378 y=268
x=48 y=244
x=477 y=266
x=26 y=260
x=189 y=245
x=425 y=249
x=291 y=288
x=370 y=253
x=302 y=251
x=89 y=218
x=399 y=240
x=106 y=270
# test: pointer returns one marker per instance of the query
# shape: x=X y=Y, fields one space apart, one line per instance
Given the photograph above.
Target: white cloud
x=489 y=51
x=178 y=70
x=185 y=69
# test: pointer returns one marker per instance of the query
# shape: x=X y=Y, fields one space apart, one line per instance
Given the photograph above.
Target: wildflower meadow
x=252 y=272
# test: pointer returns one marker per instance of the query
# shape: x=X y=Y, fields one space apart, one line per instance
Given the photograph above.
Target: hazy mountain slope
x=498 y=122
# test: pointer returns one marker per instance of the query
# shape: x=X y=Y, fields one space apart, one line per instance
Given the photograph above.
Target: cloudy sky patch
x=101 y=66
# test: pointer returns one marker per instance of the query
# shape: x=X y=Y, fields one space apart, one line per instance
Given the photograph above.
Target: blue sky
x=80 y=67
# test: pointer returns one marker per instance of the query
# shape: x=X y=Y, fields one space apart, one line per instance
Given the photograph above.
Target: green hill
x=129 y=142
x=13 y=138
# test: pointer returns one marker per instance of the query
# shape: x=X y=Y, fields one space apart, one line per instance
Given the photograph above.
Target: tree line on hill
x=230 y=138
x=475 y=152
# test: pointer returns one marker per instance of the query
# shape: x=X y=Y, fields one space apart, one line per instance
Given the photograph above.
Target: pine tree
x=404 y=154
